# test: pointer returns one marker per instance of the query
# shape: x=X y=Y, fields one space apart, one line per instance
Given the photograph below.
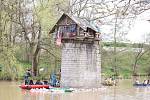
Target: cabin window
x=67 y=30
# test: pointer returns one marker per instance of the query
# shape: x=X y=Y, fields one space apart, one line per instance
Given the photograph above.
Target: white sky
x=140 y=28
x=138 y=31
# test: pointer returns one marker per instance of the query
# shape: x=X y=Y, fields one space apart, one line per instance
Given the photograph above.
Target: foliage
x=125 y=60
x=18 y=40
x=11 y=69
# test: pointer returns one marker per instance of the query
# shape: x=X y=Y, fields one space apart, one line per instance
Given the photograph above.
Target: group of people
x=29 y=81
x=145 y=82
x=38 y=82
x=109 y=81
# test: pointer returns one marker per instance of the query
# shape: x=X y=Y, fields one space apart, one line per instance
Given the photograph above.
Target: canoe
x=23 y=86
x=61 y=90
x=106 y=84
x=141 y=84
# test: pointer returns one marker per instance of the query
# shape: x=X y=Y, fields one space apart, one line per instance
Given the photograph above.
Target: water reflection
x=125 y=91
x=27 y=95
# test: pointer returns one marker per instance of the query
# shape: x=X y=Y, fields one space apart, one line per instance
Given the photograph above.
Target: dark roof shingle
x=83 y=23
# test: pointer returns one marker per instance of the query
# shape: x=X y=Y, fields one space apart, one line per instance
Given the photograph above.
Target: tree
x=11 y=69
x=117 y=13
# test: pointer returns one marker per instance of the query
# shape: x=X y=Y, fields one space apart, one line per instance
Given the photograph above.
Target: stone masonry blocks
x=81 y=65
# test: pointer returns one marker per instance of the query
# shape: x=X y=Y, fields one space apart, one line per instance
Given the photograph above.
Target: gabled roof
x=83 y=23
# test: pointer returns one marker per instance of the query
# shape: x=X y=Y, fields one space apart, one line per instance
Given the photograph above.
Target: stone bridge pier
x=81 y=65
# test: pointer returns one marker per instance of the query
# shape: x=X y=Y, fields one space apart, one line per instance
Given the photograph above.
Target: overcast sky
x=140 y=28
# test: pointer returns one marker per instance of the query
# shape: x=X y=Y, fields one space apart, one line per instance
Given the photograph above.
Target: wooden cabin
x=73 y=28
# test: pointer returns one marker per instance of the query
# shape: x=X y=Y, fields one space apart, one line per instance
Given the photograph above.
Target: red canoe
x=33 y=86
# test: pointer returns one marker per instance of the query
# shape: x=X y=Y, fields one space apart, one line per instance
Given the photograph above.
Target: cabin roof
x=83 y=23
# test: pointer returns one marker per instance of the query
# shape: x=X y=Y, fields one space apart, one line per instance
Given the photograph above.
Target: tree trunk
x=35 y=54
x=35 y=61
x=34 y=65
x=135 y=68
x=115 y=47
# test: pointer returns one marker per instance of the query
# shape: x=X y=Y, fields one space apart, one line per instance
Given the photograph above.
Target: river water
x=125 y=91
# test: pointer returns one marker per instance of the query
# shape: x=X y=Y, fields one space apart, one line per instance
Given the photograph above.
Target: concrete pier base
x=81 y=65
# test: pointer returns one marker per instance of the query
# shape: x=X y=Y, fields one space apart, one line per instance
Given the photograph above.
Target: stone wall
x=81 y=65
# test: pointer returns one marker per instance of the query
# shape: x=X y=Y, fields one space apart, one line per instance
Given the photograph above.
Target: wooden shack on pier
x=81 y=58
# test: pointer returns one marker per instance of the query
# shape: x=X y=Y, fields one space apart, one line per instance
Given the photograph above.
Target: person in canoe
x=145 y=82
x=109 y=81
x=148 y=82
x=38 y=82
x=137 y=81
x=31 y=82
x=26 y=76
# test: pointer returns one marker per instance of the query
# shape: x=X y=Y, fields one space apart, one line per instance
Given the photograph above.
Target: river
x=125 y=91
